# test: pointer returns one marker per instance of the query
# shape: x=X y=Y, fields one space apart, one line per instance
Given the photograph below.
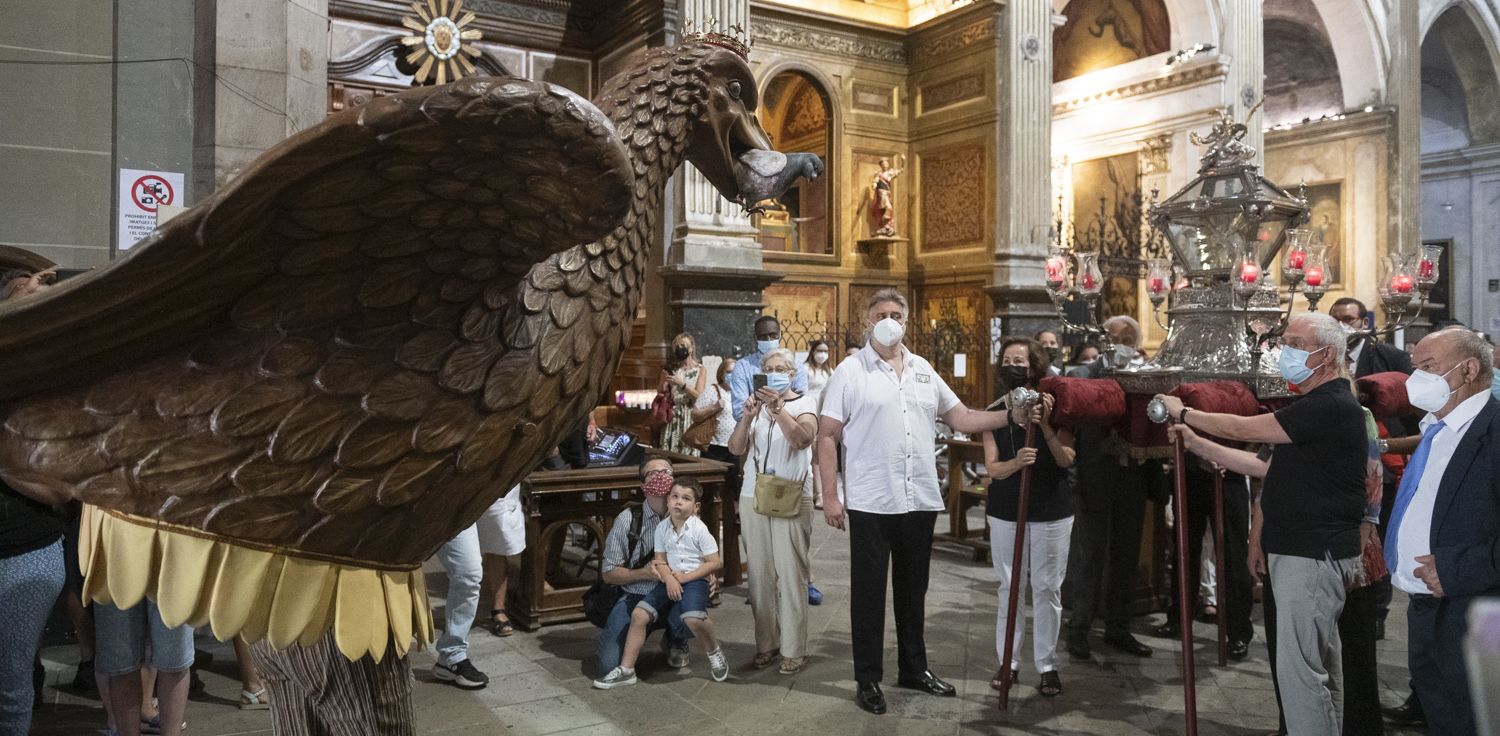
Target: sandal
x=791 y=665
x=998 y=681
x=763 y=660
x=254 y=700
x=500 y=624
x=1051 y=686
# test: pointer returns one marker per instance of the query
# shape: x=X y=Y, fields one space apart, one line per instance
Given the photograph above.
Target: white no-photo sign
x=142 y=193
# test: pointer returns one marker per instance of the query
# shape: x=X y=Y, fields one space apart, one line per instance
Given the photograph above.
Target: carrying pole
x=1184 y=616
x=1222 y=610
x=1023 y=504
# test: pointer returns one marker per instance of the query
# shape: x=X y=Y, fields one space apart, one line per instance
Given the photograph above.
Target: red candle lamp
x=1314 y=276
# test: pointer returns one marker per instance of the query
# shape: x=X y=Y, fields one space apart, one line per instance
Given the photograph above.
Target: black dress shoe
x=1127 y=644
x=1380 y=630
x=927 y=683
x=1408 y=714
x=1079 y=649
x=1168 y=630
x=870 y=699
x=1239 y=650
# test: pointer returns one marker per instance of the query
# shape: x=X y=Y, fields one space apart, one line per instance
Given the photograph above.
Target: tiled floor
x=539 y=683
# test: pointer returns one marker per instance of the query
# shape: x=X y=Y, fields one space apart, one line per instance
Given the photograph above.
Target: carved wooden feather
x=376 y=330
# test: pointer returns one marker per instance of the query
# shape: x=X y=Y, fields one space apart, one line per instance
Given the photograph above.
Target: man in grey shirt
x=624 y=564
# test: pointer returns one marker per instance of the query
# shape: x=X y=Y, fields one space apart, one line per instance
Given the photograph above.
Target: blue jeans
x=29 y=584
x=462 y=560
x=694 y=604
x=611 y=644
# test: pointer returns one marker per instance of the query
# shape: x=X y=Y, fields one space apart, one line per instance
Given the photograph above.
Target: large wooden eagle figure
x=287 y=398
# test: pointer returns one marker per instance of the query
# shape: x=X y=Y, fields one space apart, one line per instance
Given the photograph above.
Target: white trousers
x=778 y=551
x=1044 y=562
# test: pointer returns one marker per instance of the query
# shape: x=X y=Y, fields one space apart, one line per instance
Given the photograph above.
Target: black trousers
x=1107 y=546
x=1239 y=589
x=901 y=543
x=1435 y=631
x=1357 y=653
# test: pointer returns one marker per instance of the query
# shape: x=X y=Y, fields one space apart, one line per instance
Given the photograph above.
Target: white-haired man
x=882 y=404
x=1305 y=532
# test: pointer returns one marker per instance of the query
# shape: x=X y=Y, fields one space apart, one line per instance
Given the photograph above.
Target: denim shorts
x=694 y=604
x=121 y=638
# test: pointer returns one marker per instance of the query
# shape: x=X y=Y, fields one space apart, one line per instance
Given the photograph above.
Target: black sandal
x=998 y=682
x=500 y=624
x=1051 y=686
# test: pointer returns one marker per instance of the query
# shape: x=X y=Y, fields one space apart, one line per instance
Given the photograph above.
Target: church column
x=1023 y=168
x=275 y=52
x=1244 y=85
x=1404 y=93
x=712 y=270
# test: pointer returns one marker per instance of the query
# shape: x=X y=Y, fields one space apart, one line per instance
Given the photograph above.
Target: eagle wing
x=350 y=331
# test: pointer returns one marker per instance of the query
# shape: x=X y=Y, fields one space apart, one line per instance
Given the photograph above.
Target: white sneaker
x=718 y=665
x=617 y=677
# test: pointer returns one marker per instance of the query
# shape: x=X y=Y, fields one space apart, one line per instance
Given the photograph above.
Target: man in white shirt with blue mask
x=767 y=338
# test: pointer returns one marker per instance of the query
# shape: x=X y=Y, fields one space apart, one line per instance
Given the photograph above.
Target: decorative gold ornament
x=441 y=41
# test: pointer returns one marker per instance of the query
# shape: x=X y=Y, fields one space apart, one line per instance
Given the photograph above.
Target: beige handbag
x=775 y=496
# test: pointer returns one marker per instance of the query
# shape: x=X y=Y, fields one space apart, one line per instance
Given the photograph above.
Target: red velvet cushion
x=1220 y=397
x=1385 y=394
x=1091 y=402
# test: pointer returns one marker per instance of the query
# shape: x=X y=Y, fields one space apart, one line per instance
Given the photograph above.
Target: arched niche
x=798 y=113
x=1460 y=92
x=1357 y=46
x=1099 y=34
x=1302 y=75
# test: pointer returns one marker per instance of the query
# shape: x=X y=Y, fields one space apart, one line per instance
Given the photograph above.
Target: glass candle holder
x=1090 y=280
x=1294 y=265
x=1247 y=274
x=1427 y=267
x=1057 y=271
x=1158 y=280
x=1315 y=274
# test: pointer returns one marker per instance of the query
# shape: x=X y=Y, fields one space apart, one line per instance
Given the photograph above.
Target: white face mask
x=820 y=357
x=1348 y=329
x=1428 y=391
x=887 y=332
x=1123 y=355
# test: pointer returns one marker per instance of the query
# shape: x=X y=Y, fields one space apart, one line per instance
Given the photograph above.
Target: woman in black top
x=1049 y=524
x=31 y=576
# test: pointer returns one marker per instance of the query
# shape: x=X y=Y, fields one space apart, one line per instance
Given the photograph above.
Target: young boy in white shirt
x=686 y=554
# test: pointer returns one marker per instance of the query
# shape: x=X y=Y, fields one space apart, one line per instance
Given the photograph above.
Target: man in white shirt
x=882 y=404
x=1443 y=543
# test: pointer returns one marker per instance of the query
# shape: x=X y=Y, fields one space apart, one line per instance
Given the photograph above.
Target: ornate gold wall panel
x=938 y=95
x=954 y=195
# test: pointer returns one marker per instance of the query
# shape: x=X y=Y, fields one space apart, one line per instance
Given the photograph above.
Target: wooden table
x=963 y=496
x=591 y=498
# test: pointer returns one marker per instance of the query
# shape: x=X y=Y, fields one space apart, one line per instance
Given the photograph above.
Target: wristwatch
x=1182 y=415
x=1383 y=445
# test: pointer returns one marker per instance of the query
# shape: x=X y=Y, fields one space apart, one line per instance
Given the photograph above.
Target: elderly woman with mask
x=774 y=438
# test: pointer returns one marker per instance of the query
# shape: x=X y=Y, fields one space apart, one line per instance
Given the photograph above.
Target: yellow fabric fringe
x=254 y=594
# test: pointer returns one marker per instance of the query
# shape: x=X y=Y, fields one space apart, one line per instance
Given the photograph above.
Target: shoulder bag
x=775 y=496
x=701 y=433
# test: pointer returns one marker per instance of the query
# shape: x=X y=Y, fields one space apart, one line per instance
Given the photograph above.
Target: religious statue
x=885 y=207
x=282 y=402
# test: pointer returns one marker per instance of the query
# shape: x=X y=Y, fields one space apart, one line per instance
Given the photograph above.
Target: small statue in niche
x=885 y=207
